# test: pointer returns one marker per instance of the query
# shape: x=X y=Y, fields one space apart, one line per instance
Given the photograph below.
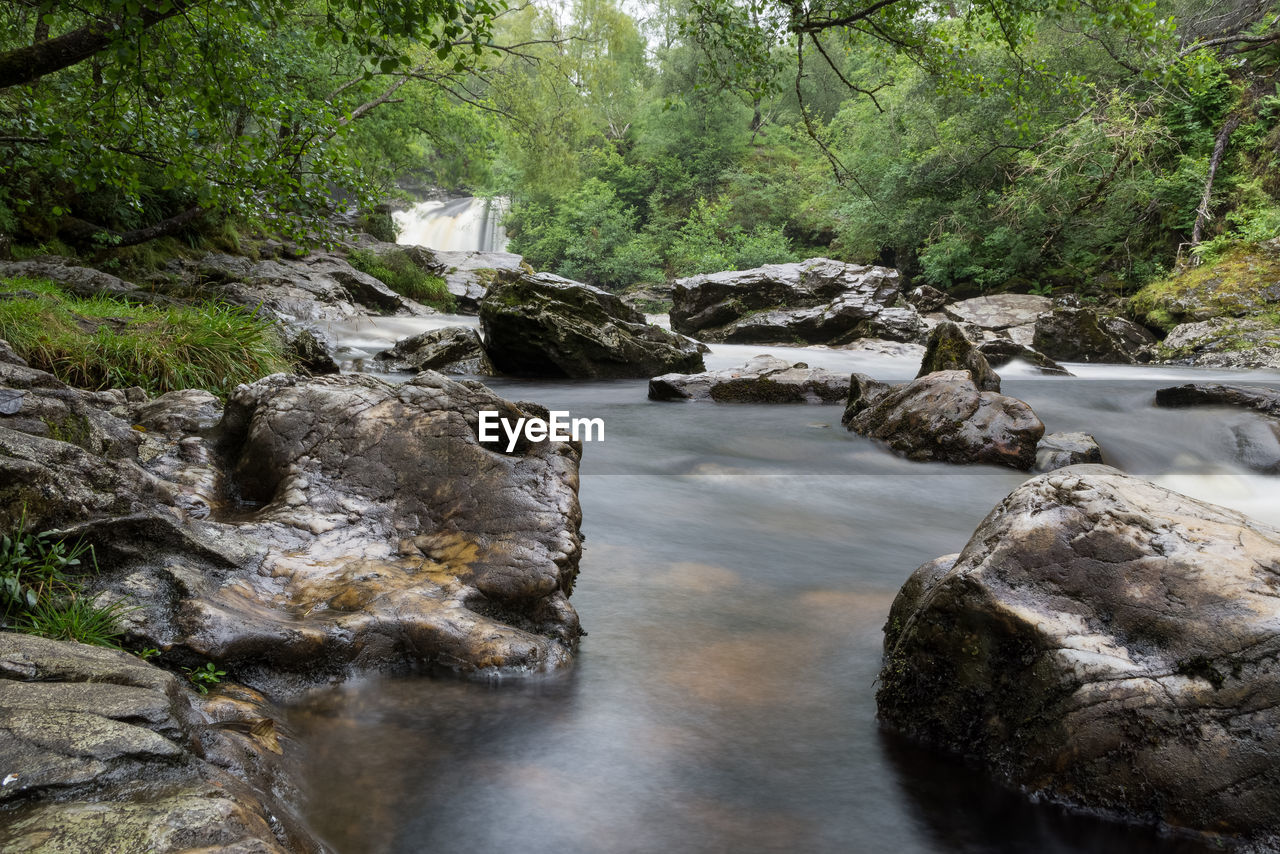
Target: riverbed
x=738 y=567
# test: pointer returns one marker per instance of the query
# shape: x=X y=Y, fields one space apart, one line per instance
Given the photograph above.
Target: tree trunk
x=28 y=64
x=84 y=233
x=1219 y=149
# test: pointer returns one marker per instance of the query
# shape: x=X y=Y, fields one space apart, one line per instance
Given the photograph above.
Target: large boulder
x=764 y=379
x=944 y=416
x=1001 y=351
x=1077 y=334
x=949 y=350
x=538 y=324
x=818 y=301
x=451 y=350
x=102 y=752
x=322 y=527
x=1104 y=642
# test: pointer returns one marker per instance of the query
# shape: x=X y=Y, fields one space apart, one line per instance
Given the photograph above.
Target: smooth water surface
x=738 y=567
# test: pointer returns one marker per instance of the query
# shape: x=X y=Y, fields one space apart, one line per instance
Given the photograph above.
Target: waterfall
x=468 y=224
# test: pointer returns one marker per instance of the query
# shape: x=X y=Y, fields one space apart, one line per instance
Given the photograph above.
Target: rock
x=944 y=416
x=949 y=350
x=926 y=298
x=542 y=325
x=466 y=274
x=1001 y=351
x=301 y=292
x=1059 y=450
x=324 y=527
x=81 y=281
x=1082 y=335
x=999 y=311
x=180 y=412
x=102 y=752
x=863 y=393
x=1258 y=445
x=451 y=350
x=1103 y=642
x=818 y=301
x=1224 y=342
x=764 y=379
x=311 y=351
x=1261 y=398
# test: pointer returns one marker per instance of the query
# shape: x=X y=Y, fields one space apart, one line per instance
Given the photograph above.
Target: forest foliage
x=975 y=144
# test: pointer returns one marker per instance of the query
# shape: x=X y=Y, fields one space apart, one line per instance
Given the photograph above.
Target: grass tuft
x=100 y=342
x=41 y=591
x=397 y=271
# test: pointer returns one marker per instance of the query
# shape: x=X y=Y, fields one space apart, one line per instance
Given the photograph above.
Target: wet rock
x=1224 y=342
x=1258 y=445
x=102 y=752
x=451 y=350
x=1059 y=450
x=542 y=325
x=944 y=416
x=926 y=298
x=949 y=350
x=1001 y=351
x=763 y=379
x=999 y=311
x=326 y=526
x=1083 y=335
x=1260 y=398
x=863 y=393
x=1103 y=642
x=312 y=352
x=184 y=411
x=818 y=301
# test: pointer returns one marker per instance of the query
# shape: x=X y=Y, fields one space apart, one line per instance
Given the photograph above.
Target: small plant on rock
x=204 y=676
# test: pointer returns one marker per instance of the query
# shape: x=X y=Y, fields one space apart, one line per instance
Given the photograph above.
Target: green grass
x=41 y=592
x=100 y=342
x=397 y=271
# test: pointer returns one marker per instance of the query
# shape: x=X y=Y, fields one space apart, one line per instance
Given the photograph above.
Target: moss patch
x=397 y=271
x=1243 y=282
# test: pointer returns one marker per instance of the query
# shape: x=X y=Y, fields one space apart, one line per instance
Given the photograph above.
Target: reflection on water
x=738 y=568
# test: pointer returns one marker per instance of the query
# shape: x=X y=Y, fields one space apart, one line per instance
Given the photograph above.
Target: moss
x=73 y=429
x=1240 y=283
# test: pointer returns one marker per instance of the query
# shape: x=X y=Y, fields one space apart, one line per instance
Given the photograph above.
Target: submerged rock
x=763 y=379
x=323 y=527
x=1260 y=398
x=949 y=350
x=818 y=301
x=944 y=416
x=1075 y=334
x=1107 y=643
x=1059 y=450
x=1001 y=351
x=451 y=350
x=102 y=752
x=537 y=324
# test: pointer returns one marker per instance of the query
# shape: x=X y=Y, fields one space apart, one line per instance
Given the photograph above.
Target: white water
x=467 y=224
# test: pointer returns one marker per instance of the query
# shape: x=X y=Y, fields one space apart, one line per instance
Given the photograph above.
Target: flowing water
x=466 y=224
x=738 y=567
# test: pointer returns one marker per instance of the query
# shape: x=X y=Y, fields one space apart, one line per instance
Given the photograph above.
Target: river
x=739 y=564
